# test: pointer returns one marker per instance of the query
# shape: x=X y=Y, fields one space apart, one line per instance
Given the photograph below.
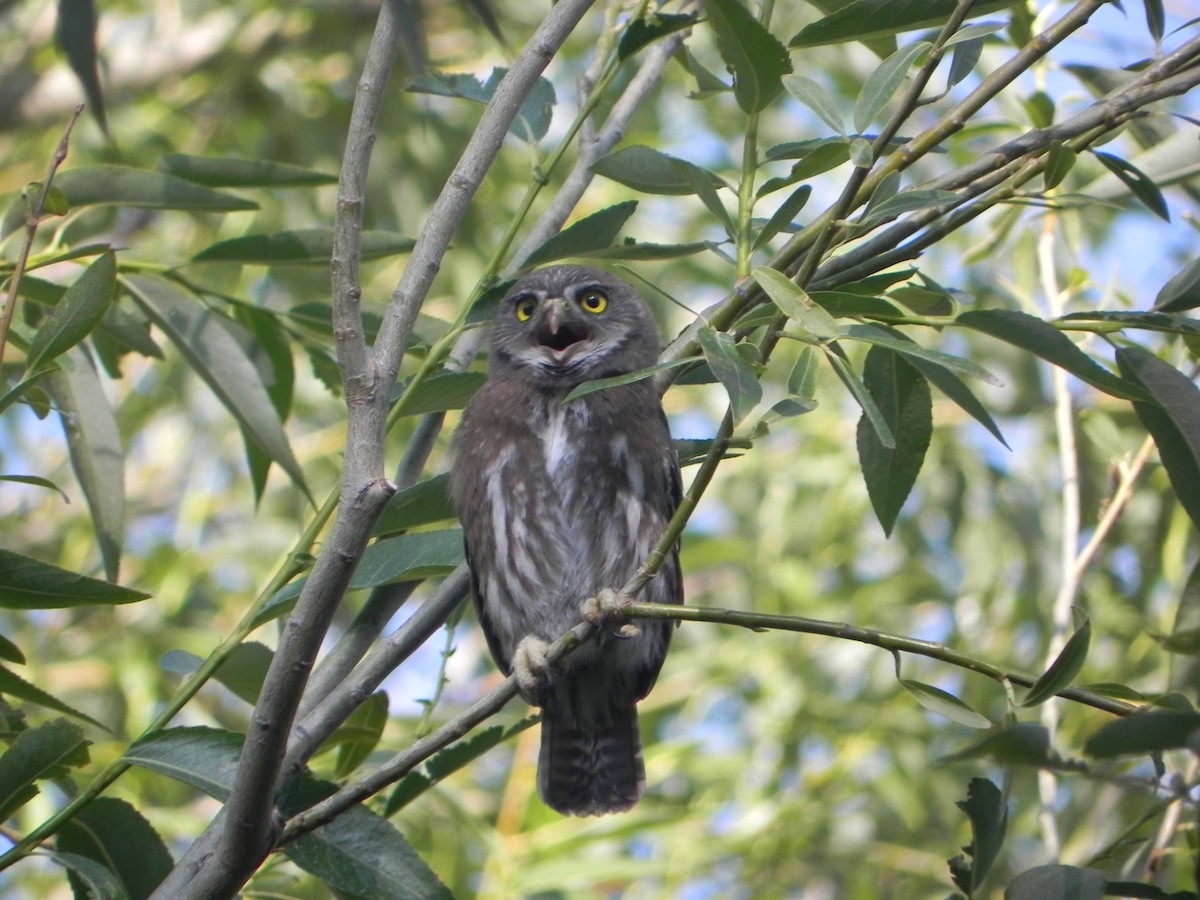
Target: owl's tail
x=591 y=757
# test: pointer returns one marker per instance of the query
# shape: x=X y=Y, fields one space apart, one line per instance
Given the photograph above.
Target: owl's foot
x=606 y=607
x=531 y=670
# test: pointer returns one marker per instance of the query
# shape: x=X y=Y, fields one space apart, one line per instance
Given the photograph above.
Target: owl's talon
x=606 y=605
x=530 y=669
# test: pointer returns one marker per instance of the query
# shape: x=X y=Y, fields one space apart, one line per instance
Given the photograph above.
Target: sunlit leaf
x=784 y=215
x=1065 y=667
x=945 y=704
x=883 y=83
x=648 y=29
x=795 y=303
x=864 y=20
x=205 y=758
x=77 y=313
x=1182 y=291
x=593 y=232
x=27 y=583
x=121 y=186
x=603 y=384
x=651 y=171
x=813 y=94
x=532 y=121
x=735 y=374
x=218 y=172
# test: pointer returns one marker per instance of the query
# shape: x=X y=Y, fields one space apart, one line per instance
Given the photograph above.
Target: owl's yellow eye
x=594 y=300
x=525 y=309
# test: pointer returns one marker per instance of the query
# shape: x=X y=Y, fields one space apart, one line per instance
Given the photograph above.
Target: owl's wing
x=503 y=662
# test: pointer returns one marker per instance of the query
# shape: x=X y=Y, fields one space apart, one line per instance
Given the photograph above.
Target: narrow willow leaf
x=1025 y=743
x=445 y=763
x=302 y=247
x=532 y=121
x=1185 y=669
x=865 y=400
x=245 y=669
x=756 y=57
x=1103 y=321
x=359 y=735
x=1173 y=420
x=18 y=390
x=89 y=878
x=203 y=337
x=38 y=481
x=121 y=186
x=440 y=392
x=1145 y=732
x=795 y=303
x=963 y=60
x=1182 y=292
x=1142 y=186
x=16 y=687
x=785 y=215
x=219 y=172
x=205 y=758
x=650 y=171
x=735 y=374
x=27 y=583
x=76 y=35
x=953 y=387
x=77 y=313
x=112 y=832
x=1060 y=159
x=359 y=853
x=865 y=20
x=945 y=704
x=883 y=83
x=424 y=502
x=593 y=232
x=97 y=457
x=884 y=337
x=985 y=810
x=908 y=201
x=813 y=95
x=409 y=557
x=1065 y=667
x=802 y=382
x=1155 y=18
x=1057 y=882
x=903 y=398
x=603 y=384
x=45 y=751
x=10 y=652
x=648 y=29
x=643 y=250
x=1042 y=339
x=974 y=32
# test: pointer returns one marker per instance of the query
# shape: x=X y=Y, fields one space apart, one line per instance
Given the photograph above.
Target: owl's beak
x=559 y=331
x=554 y=311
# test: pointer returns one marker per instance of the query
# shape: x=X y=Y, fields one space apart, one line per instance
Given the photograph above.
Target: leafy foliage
x=851 y=204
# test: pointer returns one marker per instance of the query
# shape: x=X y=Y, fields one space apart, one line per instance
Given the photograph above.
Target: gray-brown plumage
x=561 y=501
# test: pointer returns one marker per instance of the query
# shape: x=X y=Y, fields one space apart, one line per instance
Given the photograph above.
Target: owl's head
x=564 y=325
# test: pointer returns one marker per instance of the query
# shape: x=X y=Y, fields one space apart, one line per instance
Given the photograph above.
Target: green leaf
x=953 y=387
x=1155 y=18
x=532 y=121
x=865 y=20
x=97 y=457
x=1182 y=292
x=1116 y=320
x=205 y=758
x=802 y=381
x=894 y=340
x=902 y=396
x=964 y=59
x=440 y=392
x=984 y=807
x=735 y=374
x=642 y=250
x=1044 y=340
x=860 y=393
x=651 y=172
x=121 y=186
x=1137 y=181
x=1173 y=420
x=1151 y=731
x=218 y=172
x=359 y=852
x=1024 y=743
x=426 y=501
x=204 y=338
x=908 y=201
x=89 y=878
x=1056 y=882
x=756 y=57
x=1060 y=159
x=945 y=704
x=24 y=386
x=648 y=29
x=76 y=35
x=38 y=481
x=594 y=232
x=302 y=247
x=113 y=833
x=359 y=735
x=446 y=762
x=784 y=215
x=409 y=557
x=877 y=93
x=813 y=95
x=794 y=303
x=1065 y=667
x=45 y=751
x=245 y=669
x=13 y=685
x=603 y=384
x=11 y=652
x=26 y=583
x=77 y=314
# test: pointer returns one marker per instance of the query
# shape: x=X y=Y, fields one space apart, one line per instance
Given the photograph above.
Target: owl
x=560 y=502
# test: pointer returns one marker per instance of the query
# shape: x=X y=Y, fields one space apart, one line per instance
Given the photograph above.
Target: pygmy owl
x=560 y=502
